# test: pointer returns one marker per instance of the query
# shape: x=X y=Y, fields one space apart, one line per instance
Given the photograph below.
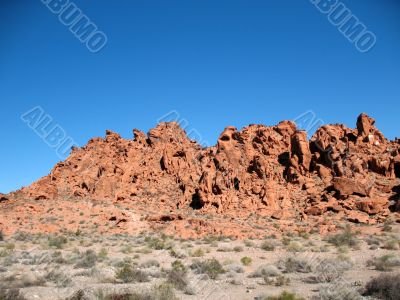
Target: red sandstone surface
x=256 y=181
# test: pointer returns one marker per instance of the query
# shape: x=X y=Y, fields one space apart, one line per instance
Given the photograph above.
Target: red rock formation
x=269 y=171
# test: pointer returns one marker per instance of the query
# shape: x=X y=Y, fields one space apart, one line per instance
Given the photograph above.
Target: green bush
x=345 y=238
x=177 y=265
x=128 y=273
x=177 y=276
x=284 y=296
x=246 y=261
x=210 y=267
x=102 y=254
x=157 y=244
x=57 y=241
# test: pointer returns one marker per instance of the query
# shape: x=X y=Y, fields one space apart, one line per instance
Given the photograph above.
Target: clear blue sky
x=216 y=62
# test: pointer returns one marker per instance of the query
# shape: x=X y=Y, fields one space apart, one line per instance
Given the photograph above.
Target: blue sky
x=216 y=62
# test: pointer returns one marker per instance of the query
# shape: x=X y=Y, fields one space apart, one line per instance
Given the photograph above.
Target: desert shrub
x=385 y=287
x=345 y=238
x=178 y=266
x=28 y=279
x=286 y=240
x=224 y=249
x=57 y=241
x=9 y=246
x=249 y=243
x=384 y=263
x=58 y=277
x=119 y=296
x=119 y=263
x=128 y=273
x=5 y=253
x=210 y=239
x=234 y=268
x=102 y=255
x=157 y=243
x=292 y=265
x=265 y=271
x=22 y=236
x=235 y=280
x=305 y=235
x=9 y=260
x=1 y=236
x=164 y=291
x=268 y=245
x=143 y=250
x=294 y=247
x=329 y=270
x=88 y=260
x=150 y=263
x=281 y=281
x=392 y=244
x=131 y=296
x=386 y=226
x=277 y=281
x=320 y=248
x=80 y=295
x=238 y=249
x=11 y=294
x=176 y=253
x=373 y=241
x=210 y=267
x=246 y=261
x=337 y=292
x=127 y=249
x=197 y=253
x=177 y=276
x=57 y=258
x=284 y=296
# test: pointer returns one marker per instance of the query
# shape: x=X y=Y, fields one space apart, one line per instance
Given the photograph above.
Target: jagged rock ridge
x=273 y=171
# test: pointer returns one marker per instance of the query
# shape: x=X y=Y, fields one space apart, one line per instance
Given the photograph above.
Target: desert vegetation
x=73 y=265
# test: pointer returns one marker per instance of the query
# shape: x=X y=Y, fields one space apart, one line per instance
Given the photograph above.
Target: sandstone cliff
x=273 y=172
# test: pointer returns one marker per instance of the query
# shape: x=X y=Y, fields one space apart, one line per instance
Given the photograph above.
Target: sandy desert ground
x=73 y=265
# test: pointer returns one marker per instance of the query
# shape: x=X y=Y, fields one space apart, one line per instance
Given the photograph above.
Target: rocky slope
x=274 y=173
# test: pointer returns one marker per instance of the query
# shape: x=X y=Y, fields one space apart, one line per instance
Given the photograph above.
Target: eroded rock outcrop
x=271 y=171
